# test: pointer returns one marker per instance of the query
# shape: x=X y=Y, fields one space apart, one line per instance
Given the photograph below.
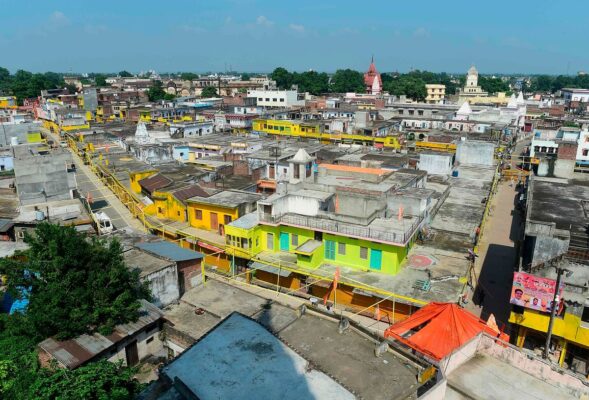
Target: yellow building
x=314 y=130
x=170 y=203
x=8 y=102
x=436 y=93
x=214 y=212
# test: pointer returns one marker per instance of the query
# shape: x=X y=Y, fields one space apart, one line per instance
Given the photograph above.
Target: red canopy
x=444 y=328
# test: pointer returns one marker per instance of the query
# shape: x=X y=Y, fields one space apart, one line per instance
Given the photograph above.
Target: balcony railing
x=343 y=228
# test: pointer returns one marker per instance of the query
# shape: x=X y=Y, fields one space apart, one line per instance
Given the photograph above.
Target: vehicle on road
x=104 y=223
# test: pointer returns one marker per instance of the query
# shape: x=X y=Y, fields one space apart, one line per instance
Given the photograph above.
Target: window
x=341 y=249
x=585 y=152
x=178 y=213
x=282 y=100
x=227 y=219
x=149 y=340
x=330 y=249
x=294 y=239
x=364 y=253
x=411 y=112
x=420 y=112
x=275 y=99
x=198 y=214
x=270 y=241
x=159 y=210
x=267 y=99
x=260 y=99
x=401 y=112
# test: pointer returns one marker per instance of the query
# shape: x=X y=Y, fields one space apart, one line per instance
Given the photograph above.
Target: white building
x=581 y=95
x=277 y=98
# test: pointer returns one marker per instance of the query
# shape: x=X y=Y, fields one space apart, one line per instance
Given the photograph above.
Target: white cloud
x=421 y=32
x=57 y=19
x=263 y=21
x=297 y=28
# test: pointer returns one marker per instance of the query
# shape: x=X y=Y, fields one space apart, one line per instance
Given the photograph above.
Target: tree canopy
x=156 y=92
x=245 y=77
x=100 y=80
x=25 y=84
x=309 y=81
x=188 y=76
x=76 y=284
x=493 y=85
x=548 y=83
x=209 y=91
x=347 y=80
x=125 y=74
x=99 y=380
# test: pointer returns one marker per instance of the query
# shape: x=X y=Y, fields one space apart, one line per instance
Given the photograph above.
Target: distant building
x=372 y=80
x=277 y=98
x=436 y=93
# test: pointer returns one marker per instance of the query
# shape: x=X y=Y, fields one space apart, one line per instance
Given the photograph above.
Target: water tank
x=455 y=173
x=39 y=215
x=13 y=141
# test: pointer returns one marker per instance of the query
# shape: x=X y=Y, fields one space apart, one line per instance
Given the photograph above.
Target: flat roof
x=170 y=251
x=484 y=377
x=227 y=198
x=145 y=262
x=248 y=221
x=559 y=201
x=239 y=358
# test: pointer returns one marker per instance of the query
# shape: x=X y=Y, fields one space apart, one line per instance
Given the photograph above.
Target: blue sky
x=539 y=36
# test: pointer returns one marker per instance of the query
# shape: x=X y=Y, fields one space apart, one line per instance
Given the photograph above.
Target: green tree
x=493 y=85
x=347 y=80
x=99 y=380
x=156 y=92
x=71 y=88
x=245 y=77
x=188 y=76
x=77 y=284
x=282 y=77
x=100 y=80
x=209 y=91
x=125 y=74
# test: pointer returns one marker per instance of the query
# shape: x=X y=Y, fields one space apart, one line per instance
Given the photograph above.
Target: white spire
x=464 y=109
x=520 y=99
x=512 y=102
x=141 y=134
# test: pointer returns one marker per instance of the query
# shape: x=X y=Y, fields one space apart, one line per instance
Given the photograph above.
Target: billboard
x=533 y=292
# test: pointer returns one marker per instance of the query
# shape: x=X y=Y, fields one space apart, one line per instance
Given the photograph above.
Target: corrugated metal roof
x=155 y=182
x=5 y=224
x=271 y=269
x=75 y=352
x=190 y=191
x=170 y=251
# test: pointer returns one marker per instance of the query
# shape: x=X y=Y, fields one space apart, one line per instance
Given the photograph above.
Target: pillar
x=521 y=336
x=563 y=352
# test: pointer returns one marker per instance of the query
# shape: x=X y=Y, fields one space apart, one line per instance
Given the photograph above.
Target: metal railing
x=344 y=228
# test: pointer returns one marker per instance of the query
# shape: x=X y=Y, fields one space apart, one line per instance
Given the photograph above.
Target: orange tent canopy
x=444 y=328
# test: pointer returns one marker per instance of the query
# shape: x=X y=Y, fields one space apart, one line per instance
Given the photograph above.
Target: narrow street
x=103 y=199
x=497 y=257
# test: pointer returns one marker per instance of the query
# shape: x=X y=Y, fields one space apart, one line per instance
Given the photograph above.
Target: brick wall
x=567 y=151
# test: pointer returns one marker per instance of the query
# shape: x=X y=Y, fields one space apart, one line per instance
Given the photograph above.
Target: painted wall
x=167 y=206
x=163 y=285
x=137 y=176
x=207 y=210
x=570 y=327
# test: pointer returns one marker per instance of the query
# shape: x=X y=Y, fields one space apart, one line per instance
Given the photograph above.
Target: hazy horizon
x=501 y=38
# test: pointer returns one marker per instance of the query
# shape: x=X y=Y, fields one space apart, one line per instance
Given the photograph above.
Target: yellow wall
x=8 y=102
x=34 y=137
x=568 y=327
x=137 y=176
x=207 y=209
x=167 y=206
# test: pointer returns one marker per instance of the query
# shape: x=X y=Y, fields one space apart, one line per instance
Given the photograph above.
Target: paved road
x=102 y=197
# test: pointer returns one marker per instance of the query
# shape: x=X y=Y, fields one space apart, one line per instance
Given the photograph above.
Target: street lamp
x=555 y=302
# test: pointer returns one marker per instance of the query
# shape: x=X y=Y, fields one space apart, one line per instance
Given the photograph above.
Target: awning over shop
x=270 y=269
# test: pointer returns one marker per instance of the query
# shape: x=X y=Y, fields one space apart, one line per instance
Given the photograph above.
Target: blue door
x=283 y=241
x=375 y=259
